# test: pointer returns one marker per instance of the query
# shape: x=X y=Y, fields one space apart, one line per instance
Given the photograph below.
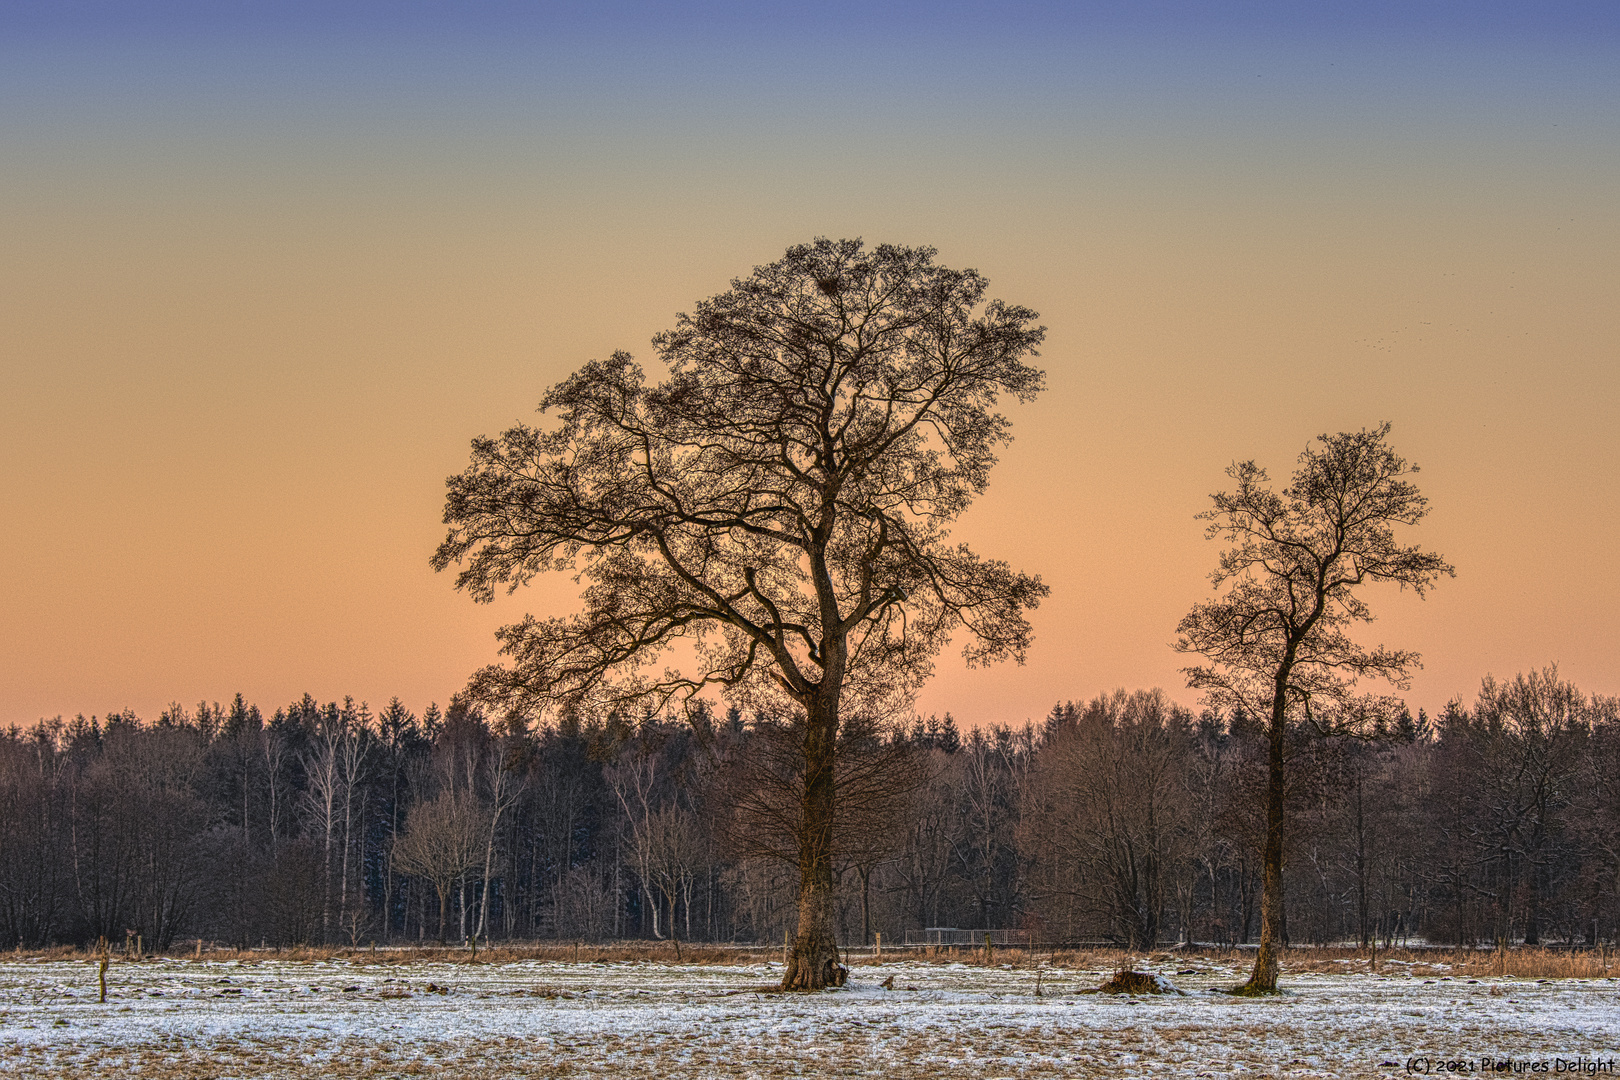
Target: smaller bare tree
x=443 y=840
x=1276 y=638
x=505 y=783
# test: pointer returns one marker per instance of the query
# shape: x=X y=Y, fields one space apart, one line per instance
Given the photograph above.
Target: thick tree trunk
x=1263 y=980
x=813 y=962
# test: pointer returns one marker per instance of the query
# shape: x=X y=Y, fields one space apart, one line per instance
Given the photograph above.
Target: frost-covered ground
x=181 y=1018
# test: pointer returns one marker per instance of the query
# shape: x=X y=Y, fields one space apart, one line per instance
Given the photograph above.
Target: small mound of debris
x=1137 y=982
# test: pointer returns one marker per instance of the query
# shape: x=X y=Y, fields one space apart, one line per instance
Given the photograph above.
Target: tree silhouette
x=782 y=502
x=1276 y=637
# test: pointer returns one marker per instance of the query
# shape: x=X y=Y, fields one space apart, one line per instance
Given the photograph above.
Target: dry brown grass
x=53 y=952
x=552 y=952
x=1520 y=962
x=1531 y=963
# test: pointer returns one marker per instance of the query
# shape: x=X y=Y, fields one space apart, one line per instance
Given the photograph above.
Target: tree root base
x=833 y=975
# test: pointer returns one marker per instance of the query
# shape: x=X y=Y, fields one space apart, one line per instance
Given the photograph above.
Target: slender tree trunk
x=813 y=962
x=1263 y=980
x=343 y=891
x=1532 y=905
x=272 y=769
x=241 y=893
x=1361 y=863
x=686 y=899
x=326 y=881
x=564 y=866
x=388 y=858
x=866 y=904
x=489 y=863
x=531 y=902
x=503 y=794
x=246 y=776
x=461 y=906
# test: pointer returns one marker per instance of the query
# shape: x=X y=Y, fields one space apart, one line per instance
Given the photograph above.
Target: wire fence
x=954 y=936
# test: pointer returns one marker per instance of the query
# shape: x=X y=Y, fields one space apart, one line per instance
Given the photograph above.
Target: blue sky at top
x=952 y=64
x=1452 y=19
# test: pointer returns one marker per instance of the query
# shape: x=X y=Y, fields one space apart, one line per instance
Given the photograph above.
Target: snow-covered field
x=183 y=1018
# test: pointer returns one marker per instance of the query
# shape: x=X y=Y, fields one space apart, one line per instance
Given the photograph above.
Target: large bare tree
x=1290 y=588
x=781 y=502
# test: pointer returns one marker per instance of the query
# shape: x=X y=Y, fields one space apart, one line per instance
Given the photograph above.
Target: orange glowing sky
x=260 y=289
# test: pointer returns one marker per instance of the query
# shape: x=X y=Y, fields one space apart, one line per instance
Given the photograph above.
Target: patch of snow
x=674 y=1020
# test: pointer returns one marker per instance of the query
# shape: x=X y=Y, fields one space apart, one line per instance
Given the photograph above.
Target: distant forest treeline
x=1128 y=818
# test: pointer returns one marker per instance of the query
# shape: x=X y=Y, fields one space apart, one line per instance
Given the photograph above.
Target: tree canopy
x=783 y=497
x=1299 y=556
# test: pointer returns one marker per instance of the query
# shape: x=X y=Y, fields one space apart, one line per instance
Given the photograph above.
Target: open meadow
x=385 y=1016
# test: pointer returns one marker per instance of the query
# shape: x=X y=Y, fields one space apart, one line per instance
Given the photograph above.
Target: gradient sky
x=266 y=268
